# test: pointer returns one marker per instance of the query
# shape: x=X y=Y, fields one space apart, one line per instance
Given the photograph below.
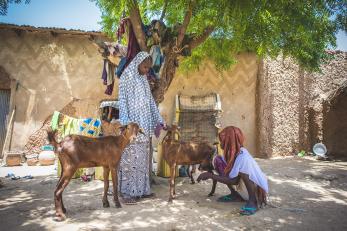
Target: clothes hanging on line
x=90 y=127
x=133 y=46
x=108 y=76
x=116 y=49
x=157 y=59
x=67 y=125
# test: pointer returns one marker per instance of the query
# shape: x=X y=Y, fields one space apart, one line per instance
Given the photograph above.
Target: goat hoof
x=210 y=194
x=170 y=200
x=193 y=182
x=118 y=205
x=106 y=204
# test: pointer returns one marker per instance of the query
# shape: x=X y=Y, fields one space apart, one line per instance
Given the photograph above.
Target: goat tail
x=52 y=140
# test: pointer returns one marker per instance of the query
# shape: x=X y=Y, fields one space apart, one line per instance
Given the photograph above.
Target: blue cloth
x=90 y=127
x=136 y=103
x=157 y=59
x=121 y=66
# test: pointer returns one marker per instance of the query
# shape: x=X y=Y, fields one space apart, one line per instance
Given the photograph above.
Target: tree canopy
x=218 y=30
x=303 y=30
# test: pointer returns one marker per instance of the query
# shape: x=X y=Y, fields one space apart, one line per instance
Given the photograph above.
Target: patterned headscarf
x=136 y=103
x=231 y=139
x=133 y=67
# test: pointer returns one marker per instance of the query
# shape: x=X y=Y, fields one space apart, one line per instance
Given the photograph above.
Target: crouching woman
x=239 y=171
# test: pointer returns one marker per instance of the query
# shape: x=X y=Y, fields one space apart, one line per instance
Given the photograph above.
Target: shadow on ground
x=305 y=195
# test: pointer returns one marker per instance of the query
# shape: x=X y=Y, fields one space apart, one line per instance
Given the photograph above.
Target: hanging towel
x=55 y=120
x=68 y=126
x=90 y=127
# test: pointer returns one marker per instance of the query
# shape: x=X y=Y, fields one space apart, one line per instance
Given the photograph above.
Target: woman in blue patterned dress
x=136 y=104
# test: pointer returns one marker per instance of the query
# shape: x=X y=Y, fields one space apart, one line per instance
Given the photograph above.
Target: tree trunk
x=166 y=76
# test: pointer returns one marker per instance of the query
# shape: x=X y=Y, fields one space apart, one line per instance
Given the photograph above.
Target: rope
x=177 y=50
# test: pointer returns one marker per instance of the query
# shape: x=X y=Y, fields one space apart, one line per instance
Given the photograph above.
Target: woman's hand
x=158 y=129
x=204 y=176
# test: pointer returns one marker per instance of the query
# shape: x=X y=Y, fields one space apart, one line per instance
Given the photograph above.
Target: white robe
x=246 y=164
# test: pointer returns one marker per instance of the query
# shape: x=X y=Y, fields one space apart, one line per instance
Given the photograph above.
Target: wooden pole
x=6 y=146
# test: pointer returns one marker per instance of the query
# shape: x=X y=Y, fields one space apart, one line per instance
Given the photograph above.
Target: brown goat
x=184 y=153
x=76 y=151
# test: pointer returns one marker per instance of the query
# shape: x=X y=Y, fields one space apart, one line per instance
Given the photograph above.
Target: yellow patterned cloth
x=90 y=127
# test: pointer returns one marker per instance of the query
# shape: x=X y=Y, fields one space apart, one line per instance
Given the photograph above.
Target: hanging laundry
x=90 y=127
x=157 y=59
x=104 y=72
x=116 y=49
x=133 y=46
x=108 y=76
x=55 y=120
x=67 y=125
x=121 y=28
x=121 y=66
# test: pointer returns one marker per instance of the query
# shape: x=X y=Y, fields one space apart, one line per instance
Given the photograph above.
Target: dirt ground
x=305 y=194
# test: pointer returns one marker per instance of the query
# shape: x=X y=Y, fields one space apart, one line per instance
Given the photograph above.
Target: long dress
x=136 y=104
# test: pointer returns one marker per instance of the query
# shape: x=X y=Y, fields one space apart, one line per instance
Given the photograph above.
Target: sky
x=75 y=14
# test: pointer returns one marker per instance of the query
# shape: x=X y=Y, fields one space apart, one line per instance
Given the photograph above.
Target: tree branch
x=136 y=23
x=164 y=11
x=201 y=38
x=183 y=28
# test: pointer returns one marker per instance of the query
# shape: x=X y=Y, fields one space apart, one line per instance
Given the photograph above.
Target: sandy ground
x=305 y=195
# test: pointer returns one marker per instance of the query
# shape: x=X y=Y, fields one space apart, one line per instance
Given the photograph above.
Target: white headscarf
x=136 y=103
x=133 y=67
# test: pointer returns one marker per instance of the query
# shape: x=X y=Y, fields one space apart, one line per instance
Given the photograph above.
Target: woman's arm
x=222 y=179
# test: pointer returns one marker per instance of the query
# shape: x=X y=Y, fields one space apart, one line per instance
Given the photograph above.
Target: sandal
x=248 y=211
x=28 y=177
x=15 y=177
x=129 y=201
x=9 y=175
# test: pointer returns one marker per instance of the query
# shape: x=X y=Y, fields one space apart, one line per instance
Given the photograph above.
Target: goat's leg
x=58 y=199
x=172 y=182
x=105 y=203
x=115 y=186
x=191 y=173
x=214 y=183
x=62 y=204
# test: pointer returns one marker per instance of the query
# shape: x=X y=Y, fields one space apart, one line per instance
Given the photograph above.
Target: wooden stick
x=9 y=128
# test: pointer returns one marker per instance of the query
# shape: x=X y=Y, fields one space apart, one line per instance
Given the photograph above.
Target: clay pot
x=13 y=159
x=46 y=157
x=32 y=161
